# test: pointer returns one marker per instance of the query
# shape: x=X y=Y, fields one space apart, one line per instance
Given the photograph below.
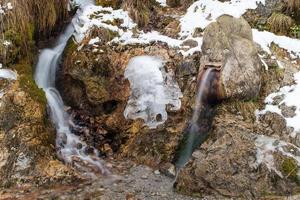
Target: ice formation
x=152 y=89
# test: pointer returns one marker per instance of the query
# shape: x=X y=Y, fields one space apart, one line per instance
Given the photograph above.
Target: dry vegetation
x=29 y=20
x=293 y=5
x=280 y=23
x=139 y=10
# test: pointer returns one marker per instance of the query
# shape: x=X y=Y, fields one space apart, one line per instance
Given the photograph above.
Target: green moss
x=70 y=47
x=28 y=84
x=290 y=169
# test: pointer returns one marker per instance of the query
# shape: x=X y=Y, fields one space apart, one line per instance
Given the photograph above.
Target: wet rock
x=228 y=43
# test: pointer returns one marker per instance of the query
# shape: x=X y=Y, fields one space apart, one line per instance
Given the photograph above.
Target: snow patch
x=152 y=89
x=6 y=7
x=162 y=2
x=8 y=74
x=291 y=96
x=266 y=146
x=265 y=39
x=98 y=16
x=103 y=17
x=203 y=12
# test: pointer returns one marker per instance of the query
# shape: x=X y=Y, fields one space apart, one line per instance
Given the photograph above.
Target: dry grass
x=139 y=10
x=293 y=5
x=280 y=23
x=29 y=19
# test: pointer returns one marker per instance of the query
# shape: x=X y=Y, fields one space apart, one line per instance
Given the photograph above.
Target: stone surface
x=101 y=109
x=27 y=140
x=229 y=42
x=226 y=164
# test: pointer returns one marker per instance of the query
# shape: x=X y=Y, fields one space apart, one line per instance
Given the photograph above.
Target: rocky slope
x=251 y=151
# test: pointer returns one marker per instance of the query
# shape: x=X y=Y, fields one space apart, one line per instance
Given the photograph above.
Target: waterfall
x=200 y=123
x=70 y=148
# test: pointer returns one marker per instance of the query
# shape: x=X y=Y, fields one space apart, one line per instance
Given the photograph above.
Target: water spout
x=200 y=123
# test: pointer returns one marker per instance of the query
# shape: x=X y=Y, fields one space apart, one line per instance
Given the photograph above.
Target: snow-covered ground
x=266 y=146
x=265 y=39
x=290 y=97
x=203 y=12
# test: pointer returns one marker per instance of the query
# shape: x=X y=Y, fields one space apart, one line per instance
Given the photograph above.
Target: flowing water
x=199 y=126
x=70 y=148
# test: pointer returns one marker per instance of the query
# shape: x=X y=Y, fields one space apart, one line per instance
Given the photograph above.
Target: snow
x=266 y=146
x=5 y=7
x=203 y=12
x=162 y=2
x=265 y=39
x=94 y=40
x=291 y=96
x=152 y=89
x=97 y=16
x=8 y=74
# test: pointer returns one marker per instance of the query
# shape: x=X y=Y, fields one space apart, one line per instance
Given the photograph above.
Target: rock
x=226 y=164
x=288 y=111
x=275 y=122
x=229 y=43
x=144 y=177
x=27 y=141
x=96 y=89
x=191 y=43
x=156 y=172
x=258 y=17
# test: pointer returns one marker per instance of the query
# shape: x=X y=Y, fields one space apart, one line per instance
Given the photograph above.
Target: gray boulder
x=229 y=42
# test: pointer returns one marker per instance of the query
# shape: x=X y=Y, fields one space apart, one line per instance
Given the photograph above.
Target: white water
x=199 y=96
x=69 y=146
x=194 y=134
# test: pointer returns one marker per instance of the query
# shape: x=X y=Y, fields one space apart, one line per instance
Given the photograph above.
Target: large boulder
x=229 y=42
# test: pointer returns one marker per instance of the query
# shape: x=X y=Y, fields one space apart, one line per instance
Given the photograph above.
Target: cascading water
x=204 y=111
x=69 y=146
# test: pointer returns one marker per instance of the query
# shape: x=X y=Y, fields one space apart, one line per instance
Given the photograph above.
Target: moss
x=70 y=47
x=290 y=169
x=28 y=84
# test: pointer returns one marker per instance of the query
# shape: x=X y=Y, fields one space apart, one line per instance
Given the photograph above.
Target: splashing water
x=199 y=126
x=69 y=146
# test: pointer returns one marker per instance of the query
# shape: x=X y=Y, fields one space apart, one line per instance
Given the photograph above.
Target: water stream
x=200 y=123
x=70 y=148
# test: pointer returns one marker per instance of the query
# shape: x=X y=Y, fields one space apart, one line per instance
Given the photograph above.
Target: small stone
x=157 y=172
x=144 y=177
